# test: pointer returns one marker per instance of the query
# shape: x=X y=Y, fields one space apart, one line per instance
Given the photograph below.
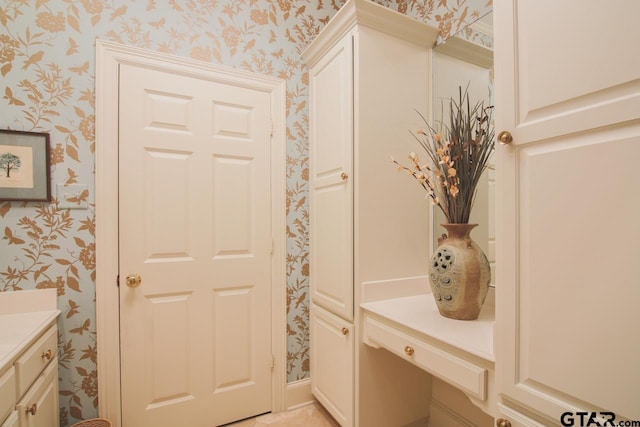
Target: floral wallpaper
x=47 y=84
x=472 y=34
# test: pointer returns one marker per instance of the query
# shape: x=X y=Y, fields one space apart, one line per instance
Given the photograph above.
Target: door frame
x=109 y=56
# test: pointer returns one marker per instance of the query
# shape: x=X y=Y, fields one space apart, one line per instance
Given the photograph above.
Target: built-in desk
x=457 y=351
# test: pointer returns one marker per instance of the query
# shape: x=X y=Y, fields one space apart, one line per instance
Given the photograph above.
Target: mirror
x=467 y=58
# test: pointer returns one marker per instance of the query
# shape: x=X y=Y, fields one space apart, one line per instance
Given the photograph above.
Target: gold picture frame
x=24 y=166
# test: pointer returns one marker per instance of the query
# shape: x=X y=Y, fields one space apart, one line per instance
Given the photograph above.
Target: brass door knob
x=409 y=350
x=133 y=280
x=505 y=137
x=345 y=331
x=344 y=176
x=501 y=422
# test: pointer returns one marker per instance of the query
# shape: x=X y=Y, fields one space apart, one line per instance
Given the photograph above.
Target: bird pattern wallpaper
x=47 y=84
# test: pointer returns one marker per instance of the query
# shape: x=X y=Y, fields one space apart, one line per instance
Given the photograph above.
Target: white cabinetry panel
x=331 y=203
x=368 y=71
x=567 y=74
x=7 y=392
x=39 y=406
x=12 y=420
x=332 y=363
x=568 y=205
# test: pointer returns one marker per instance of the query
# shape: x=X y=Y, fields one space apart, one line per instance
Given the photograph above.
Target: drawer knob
x=344 y=176
x=501 y=422
x=345 y=331
x=409 y=350
x=33 y=409
x=46 y=355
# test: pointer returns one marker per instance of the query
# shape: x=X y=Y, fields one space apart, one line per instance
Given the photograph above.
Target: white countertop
x=23 y=316
x=419 y=314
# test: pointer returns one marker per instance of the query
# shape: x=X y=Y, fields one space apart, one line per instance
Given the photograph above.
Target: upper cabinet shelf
x=368 y=14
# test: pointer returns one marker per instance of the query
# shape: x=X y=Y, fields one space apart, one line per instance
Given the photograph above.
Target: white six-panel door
x=195 y=225
x=568 y=89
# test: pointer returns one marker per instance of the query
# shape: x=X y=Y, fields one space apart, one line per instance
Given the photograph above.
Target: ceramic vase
x=459 y=274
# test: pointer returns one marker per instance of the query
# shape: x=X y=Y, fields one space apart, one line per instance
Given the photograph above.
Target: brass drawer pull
x=501 y=422
x=345 y=331
x=47 y=355
x=33 y=409
x=409 y=350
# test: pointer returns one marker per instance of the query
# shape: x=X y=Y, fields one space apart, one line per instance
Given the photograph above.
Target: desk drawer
x=12 y=420
x=461 y=373
x=7 y=393
x=36 y=358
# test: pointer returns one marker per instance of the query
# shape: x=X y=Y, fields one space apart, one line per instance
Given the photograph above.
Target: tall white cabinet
x=566 y=346
x=369 y=69
x=568 y=273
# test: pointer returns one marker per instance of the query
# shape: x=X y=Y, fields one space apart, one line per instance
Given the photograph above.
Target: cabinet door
x=331 y=188
x=568 y=206
x=39 y=406
x=332 y=364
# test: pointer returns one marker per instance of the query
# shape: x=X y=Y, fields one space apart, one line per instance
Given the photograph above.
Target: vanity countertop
x=419 y=315
x=23 y=316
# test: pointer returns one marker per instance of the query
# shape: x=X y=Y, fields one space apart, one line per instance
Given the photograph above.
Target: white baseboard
x=298 y=394
x=422 y=422
x=453 y=414
x=450 y=407
x=443 y=416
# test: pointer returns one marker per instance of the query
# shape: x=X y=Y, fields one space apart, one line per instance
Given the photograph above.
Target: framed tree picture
x=24 y=166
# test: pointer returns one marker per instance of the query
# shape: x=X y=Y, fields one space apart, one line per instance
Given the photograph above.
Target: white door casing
x=110 y=57
x=568 y=206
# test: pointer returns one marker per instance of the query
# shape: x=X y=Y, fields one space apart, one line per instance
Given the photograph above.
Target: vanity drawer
x=7 y=393
x=459 y=372
x=35 y=359
x=12 y=421
x=39 y=407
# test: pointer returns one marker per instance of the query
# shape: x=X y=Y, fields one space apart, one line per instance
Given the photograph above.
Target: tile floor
x=312 y=415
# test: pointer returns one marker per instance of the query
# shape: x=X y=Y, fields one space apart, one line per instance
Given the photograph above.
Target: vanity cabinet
x=39 y=405
x=34 y=377
x=568 y=208
x=368 y=74
x=12 y=420
x=28 y=359
x=7 y=393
